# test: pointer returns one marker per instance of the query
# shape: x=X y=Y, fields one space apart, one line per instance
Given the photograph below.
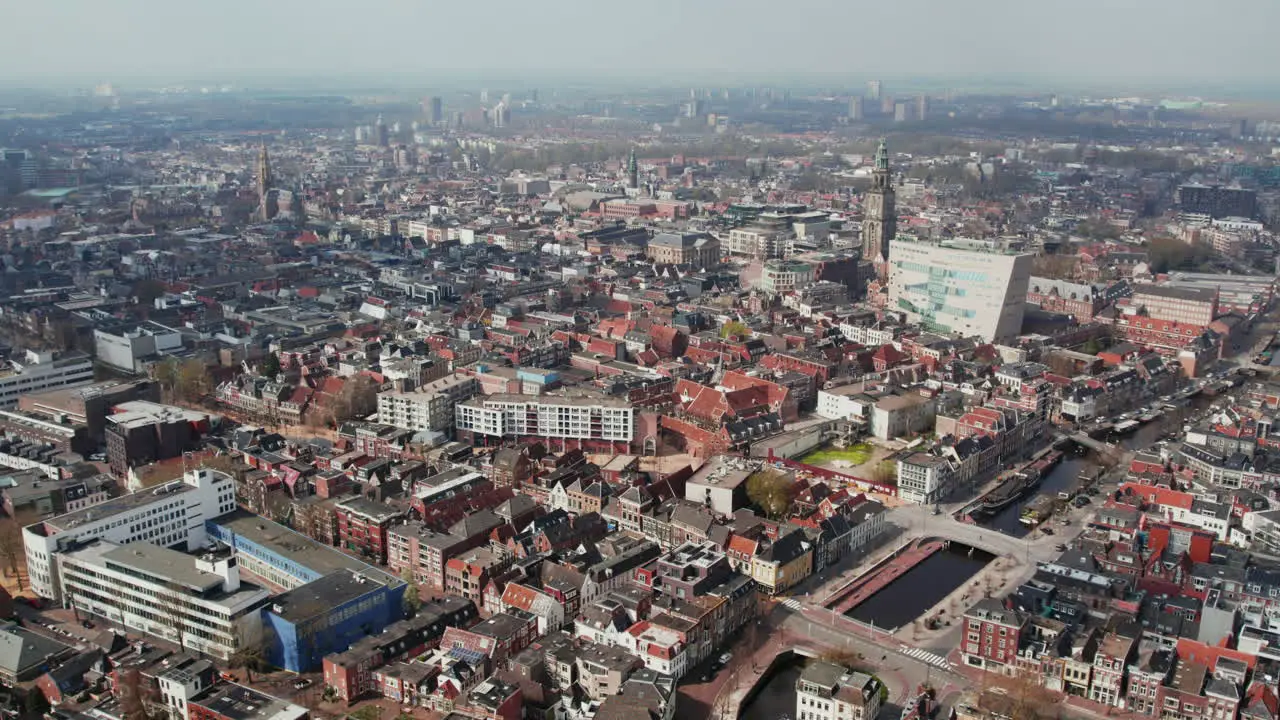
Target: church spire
x=633 y=171
x=264 y=183
x=879 y=214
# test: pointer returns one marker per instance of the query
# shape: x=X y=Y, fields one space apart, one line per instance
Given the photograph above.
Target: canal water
x=922 y=587
x=1009 y=521
x=777 y=698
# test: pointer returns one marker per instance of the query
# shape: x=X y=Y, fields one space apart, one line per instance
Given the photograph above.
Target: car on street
x=302 y=683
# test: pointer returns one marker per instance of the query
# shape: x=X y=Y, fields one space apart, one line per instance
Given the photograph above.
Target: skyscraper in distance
x=873 y=89
x=855 y=107
x=879 y=211
x=380 y=133
x=435 y=111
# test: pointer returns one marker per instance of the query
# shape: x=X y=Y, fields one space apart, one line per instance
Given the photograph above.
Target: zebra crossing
x=925 y=656
x=792 y=604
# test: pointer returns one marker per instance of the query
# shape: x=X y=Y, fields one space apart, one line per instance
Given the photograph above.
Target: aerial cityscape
x=346 y=378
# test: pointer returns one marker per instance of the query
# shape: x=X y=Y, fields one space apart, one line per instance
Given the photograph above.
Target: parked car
x=302 y=683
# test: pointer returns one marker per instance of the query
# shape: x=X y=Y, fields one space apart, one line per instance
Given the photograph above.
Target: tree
x=13 y=554
x=171 y=609
x=182 y=379
x=249 y=655
x=772 y=491
x=885 y=472
x=146 y=291
x=357 y=398
x=734 y=329
x=271 y=365
x=1092 y=347
x=412 y=601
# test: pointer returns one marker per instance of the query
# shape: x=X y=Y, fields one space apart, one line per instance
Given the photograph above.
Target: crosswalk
x=925 y=656
x=791 y=604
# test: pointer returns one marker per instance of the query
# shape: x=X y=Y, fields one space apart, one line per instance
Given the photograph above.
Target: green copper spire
x=882 y=156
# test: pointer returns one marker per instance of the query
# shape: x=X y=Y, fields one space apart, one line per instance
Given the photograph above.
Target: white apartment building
x=826 y=691
x=846 y=402
x=870 y=336
x=958 y=287
x=755 y=241
x=198 y=603
x=168 y=515
x=924 y=478
x=430 y=407
x=547 y=416
x=785 y=276
x=39 y=371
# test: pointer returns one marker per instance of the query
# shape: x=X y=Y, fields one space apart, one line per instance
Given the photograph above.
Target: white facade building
x=924 y=478
x=842 y=403
x=39 y=371
x=168 y=515
x=958 y=287
x=128 y=349
x=430 y=407
x=826 y=691
x=195 y=602
x=547 y=416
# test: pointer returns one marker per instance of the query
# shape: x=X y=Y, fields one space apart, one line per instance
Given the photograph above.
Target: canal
x=921 y=587
x=776 y=699
x=1009 y=521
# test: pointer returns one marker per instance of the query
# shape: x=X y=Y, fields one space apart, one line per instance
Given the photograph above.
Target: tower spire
x=633 y=171
x=264 y=182
x=879 y=214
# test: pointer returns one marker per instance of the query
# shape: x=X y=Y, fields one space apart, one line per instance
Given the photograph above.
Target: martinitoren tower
x=633 y=171
x=265 y=211
x=879 y=214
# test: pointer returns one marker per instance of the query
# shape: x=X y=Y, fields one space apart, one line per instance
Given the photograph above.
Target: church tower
x=879 y=214
x=265 y=211
x=633 y=171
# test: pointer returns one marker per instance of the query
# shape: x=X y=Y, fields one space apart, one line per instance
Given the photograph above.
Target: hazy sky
x=1189 y=41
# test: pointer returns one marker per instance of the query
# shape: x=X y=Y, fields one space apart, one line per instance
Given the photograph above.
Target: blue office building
x=327 y=599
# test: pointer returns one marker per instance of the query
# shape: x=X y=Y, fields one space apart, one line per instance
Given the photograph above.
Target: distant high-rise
x=533 y=95
x=922 y=107
x=855 y=107
x=887 y=104
x=901 y=111
x=879 y=211
x=380 y=133
x=873 y=89
x=484 y=95
x=435 y=111
x=501 y=115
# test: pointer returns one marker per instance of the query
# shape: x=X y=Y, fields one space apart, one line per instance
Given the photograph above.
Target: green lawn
x=856 y=454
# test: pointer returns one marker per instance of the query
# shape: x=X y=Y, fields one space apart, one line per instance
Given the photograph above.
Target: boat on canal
x=1017 y=485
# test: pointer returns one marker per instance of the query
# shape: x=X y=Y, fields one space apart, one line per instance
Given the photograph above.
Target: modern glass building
x=965 y=287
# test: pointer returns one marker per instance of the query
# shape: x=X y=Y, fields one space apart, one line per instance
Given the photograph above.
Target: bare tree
x=250 y=655
x=13 y=554
x=171 y=611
